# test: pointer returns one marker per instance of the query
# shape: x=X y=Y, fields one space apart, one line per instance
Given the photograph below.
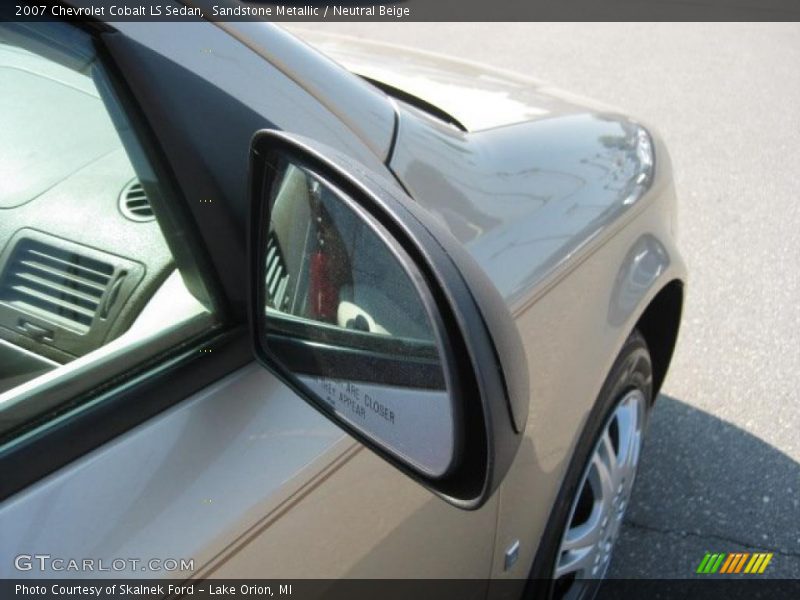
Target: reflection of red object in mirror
x=323 y=293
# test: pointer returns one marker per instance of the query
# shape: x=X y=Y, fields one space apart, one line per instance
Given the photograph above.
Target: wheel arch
x=659 y=325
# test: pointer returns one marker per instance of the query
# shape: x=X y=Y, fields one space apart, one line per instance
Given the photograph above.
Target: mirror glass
x=348 y=313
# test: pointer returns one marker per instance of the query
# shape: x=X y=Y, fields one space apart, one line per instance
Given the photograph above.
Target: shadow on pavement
x=705 y=485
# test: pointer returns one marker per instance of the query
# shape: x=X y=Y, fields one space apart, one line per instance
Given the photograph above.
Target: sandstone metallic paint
x=574 y=224
x=555 y=210
x=477 y=96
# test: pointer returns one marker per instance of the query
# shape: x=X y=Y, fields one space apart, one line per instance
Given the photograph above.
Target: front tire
x=575 y=550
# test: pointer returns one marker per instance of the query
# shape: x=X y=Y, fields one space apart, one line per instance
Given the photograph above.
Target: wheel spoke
x=630 y=462
x=613 y=464
x=579 y=562
x=630 y=441
x=628 y=422
x=602 y=483
x=585 y=534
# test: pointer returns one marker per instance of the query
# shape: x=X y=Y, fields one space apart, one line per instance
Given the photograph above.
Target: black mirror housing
x=481 y=354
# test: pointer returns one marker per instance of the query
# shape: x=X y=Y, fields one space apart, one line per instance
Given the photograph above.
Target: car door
x=160 y=449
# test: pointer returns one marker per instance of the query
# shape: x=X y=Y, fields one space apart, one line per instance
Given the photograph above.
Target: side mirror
x=380 y=319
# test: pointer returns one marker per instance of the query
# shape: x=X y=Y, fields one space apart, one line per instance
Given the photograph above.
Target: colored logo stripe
x=726 y=566
x=733 y=562
x=758 y=563
x=710 y=563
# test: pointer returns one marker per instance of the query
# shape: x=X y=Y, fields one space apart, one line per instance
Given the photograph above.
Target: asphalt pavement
x=721 y=467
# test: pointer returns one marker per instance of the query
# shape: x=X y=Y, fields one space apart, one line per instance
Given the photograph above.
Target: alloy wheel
x=602 y=497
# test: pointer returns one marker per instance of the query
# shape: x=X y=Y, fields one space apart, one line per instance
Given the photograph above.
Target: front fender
x=528 y=201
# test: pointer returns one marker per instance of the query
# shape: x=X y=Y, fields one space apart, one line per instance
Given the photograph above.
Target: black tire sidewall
x=631 y=370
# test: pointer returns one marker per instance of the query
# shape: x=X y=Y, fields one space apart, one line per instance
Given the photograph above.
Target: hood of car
x=476 y=96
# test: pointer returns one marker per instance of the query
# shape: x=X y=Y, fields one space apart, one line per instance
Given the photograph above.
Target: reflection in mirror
x=325 y=264
x=348 y=313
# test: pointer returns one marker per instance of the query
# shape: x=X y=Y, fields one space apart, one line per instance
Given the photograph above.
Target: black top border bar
x=400 y=10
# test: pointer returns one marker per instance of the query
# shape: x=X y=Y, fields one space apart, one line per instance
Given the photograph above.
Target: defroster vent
x=134 y=203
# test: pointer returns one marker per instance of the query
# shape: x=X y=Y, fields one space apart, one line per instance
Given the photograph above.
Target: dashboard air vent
x=134 y=204
x=54 y=283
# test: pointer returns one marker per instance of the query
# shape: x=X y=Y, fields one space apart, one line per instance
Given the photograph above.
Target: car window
x=86 y=273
